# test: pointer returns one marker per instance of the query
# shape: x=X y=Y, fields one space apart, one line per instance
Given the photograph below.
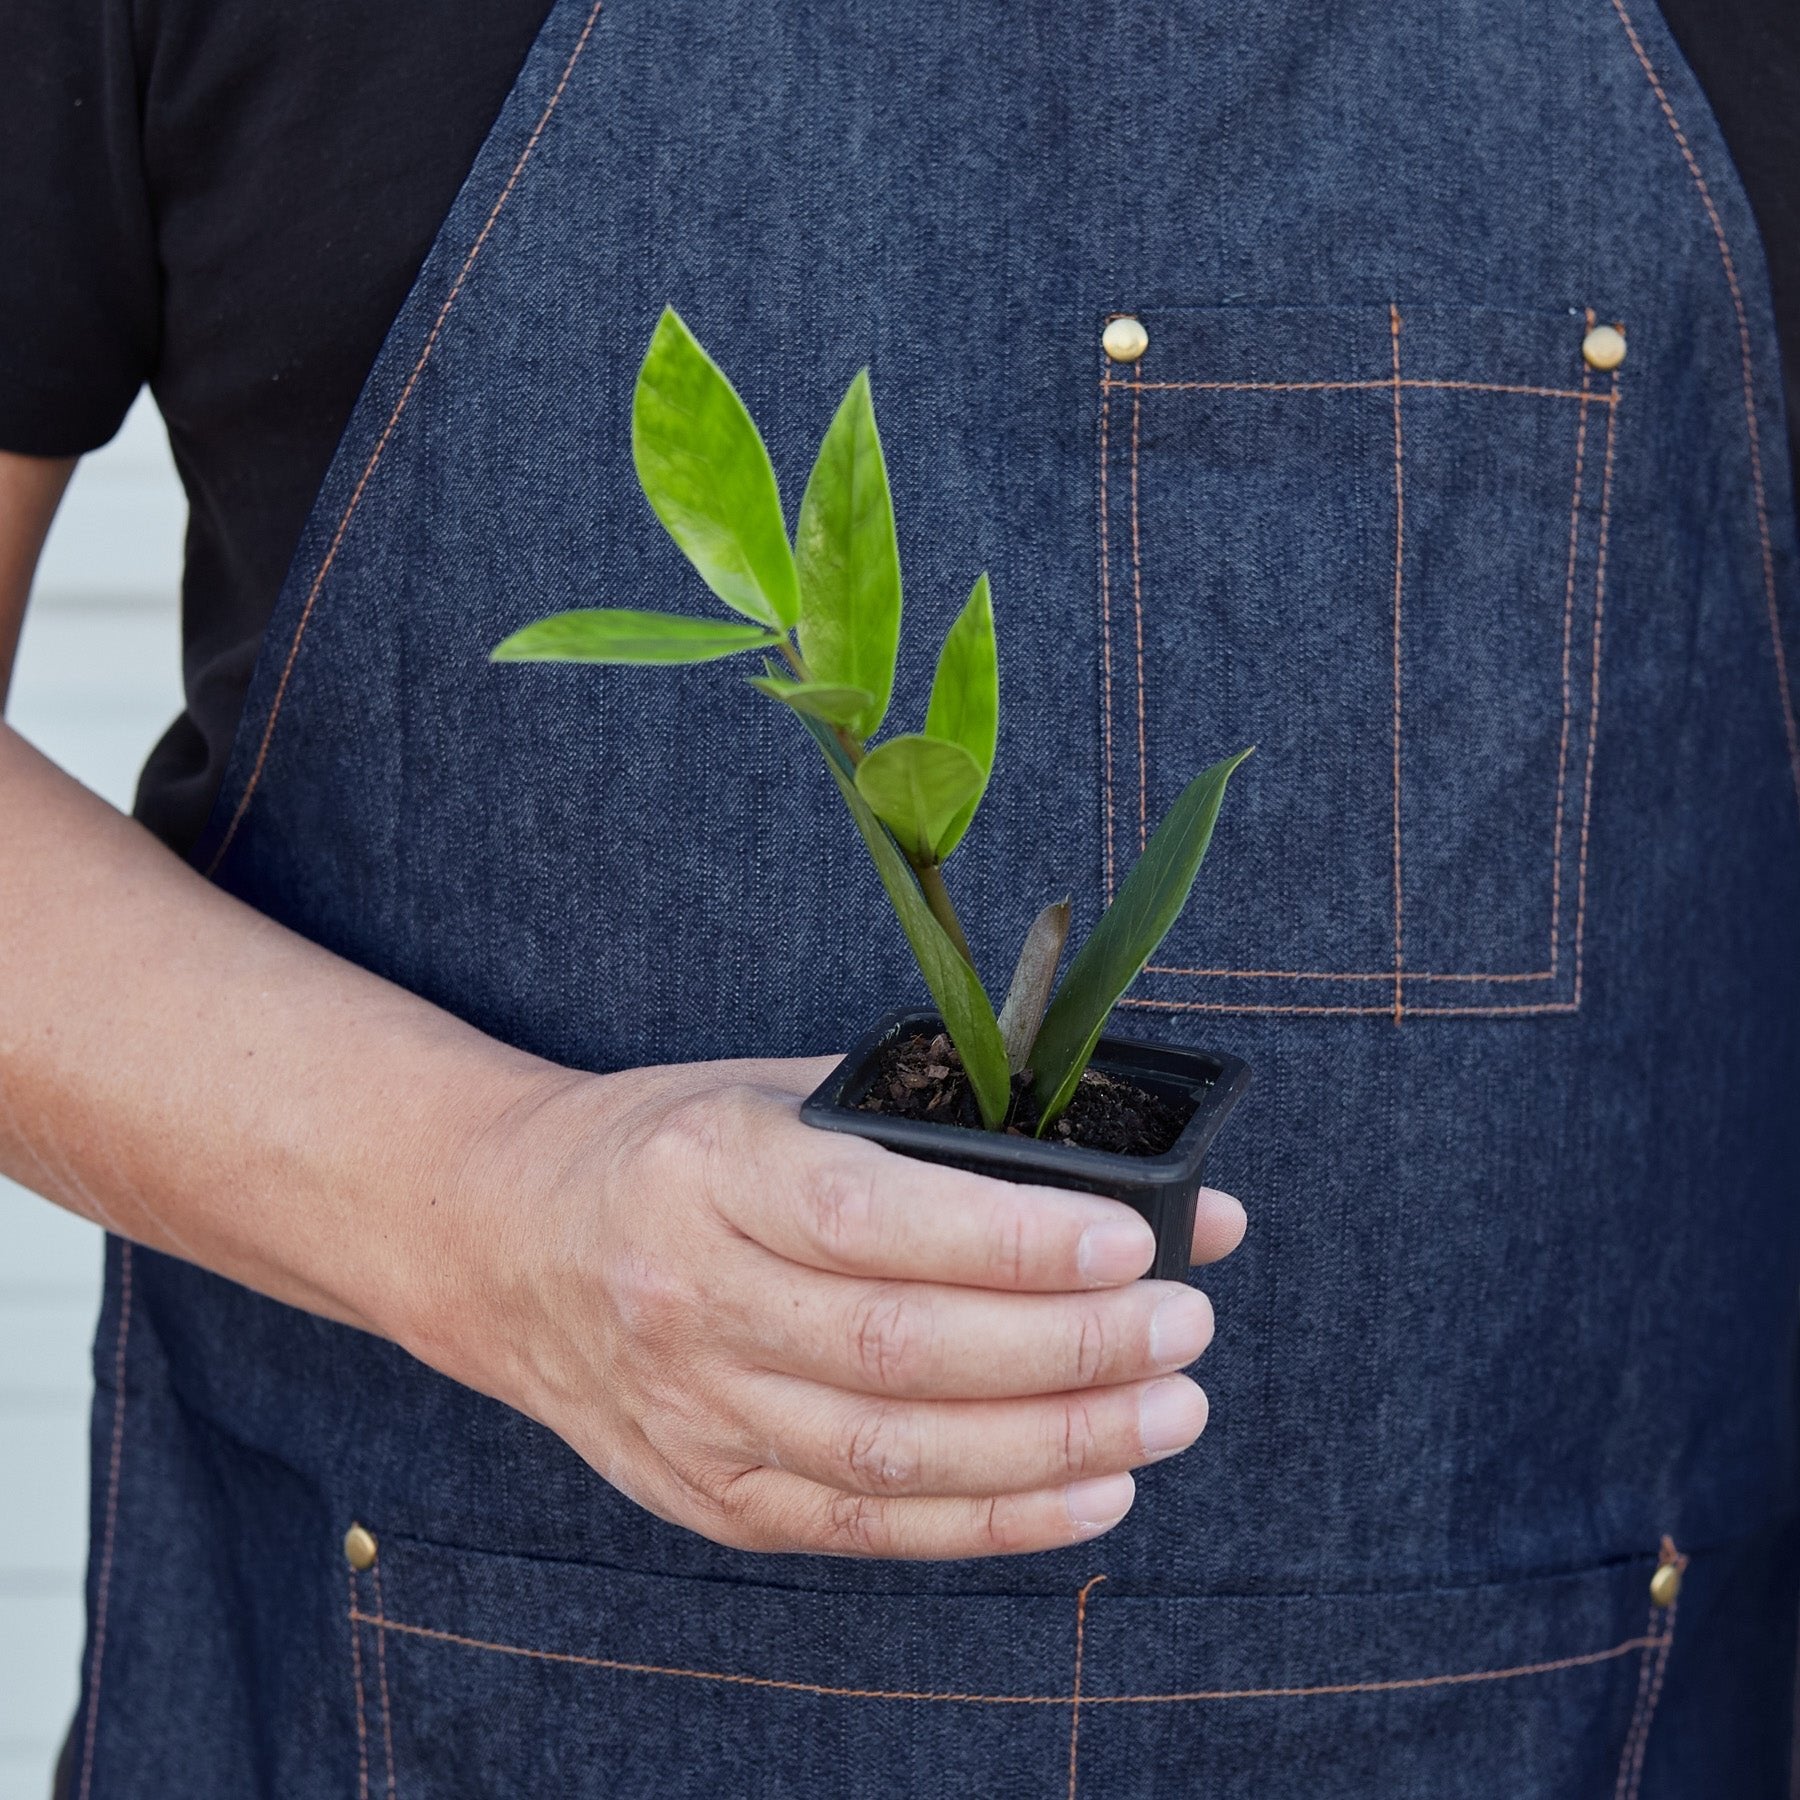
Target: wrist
x=497 y=1142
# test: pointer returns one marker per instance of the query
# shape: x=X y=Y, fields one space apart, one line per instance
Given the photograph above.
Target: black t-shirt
x=229 y=201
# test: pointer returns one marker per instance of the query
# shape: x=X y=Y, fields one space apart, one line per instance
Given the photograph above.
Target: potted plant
x=1034 y=1092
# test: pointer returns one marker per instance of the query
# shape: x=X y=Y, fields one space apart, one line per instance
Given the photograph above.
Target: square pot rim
x=1226 y=1076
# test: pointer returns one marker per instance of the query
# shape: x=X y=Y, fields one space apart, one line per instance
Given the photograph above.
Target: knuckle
x=732 y=1497
x=722 y=1505
x=999 y=1526
x=890 y=1334
x=855 y=1525
x=1012 y=1248
x=838 y=1213
x=651 y=1299
x=1093 y=1348
x=1080 y=1441
x=692 y=1129
x=877 y=1453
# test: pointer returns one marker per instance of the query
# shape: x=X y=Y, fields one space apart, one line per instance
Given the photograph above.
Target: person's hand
x=792 y=1340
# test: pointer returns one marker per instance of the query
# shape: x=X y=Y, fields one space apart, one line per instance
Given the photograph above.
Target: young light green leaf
x=613 y=634
x=703 y=467
x=1146 y=905
x=967 y=1012
x=849 y=561
x=835 y=705
x=1033 y=978
x=965 y=697
x=918 y=786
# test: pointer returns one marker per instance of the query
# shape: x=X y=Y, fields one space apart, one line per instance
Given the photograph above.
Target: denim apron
x=1499 y=1495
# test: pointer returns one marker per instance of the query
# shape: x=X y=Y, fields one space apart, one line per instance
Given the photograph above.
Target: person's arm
x=781 y=1338
x=31 y=489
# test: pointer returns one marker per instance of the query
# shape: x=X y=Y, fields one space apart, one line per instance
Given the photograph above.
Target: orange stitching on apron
x=357 y=1621
x=1406 y=1684
x=614 y=1666
x=1562 y=749
x=1650 y=1686
x=1587 y=789
x=1081 y=1601
x=1789 y=724
x=1373 y=1012
x=1343 y=975
x=387 y=1716
x=387 y=431
x=1373 y=384
x=1137 y=609
x=1106 y=632
x=1399 y=572
x=114 y=1465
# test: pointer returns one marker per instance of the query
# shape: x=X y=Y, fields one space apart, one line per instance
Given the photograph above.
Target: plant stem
x=790 y=652
x=930 y=875
x=937 y=897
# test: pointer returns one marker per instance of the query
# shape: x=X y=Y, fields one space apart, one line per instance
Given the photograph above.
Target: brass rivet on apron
x=1125 y=340
x=1603 y=348
x=359 y=1547
x=1665 y=1584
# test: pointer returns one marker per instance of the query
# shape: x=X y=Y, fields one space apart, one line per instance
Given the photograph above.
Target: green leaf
x=703 y=467
x=918 y=786
x=613 y=634
x=965 y=697
x=1146 y=905
x=956 y=989
x=849 y=561
x=835 y=705
x=1033 y=978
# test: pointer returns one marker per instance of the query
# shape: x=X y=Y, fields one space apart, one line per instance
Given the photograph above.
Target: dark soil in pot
x=920 y=1076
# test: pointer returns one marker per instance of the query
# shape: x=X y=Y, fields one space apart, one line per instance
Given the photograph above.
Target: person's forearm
x=192 y=1076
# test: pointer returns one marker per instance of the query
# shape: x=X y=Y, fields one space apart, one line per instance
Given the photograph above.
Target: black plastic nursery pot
x=1163 y=1188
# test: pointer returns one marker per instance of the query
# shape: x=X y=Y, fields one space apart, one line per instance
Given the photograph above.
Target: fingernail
x=1180 y=1328
x=1171 y=1415
x=1119 y=1250
x=1100 y=1504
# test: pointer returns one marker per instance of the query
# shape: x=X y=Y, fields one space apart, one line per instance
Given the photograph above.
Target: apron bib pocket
x=1371 y=541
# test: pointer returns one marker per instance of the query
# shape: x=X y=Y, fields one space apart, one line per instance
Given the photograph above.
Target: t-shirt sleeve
x=78 y=289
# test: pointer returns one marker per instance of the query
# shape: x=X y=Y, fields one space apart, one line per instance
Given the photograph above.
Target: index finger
x=840 y=1204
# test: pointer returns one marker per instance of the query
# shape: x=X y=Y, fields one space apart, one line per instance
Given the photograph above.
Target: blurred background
x=98 y=680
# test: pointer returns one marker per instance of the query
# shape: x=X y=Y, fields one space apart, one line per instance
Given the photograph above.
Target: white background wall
x=98 y=679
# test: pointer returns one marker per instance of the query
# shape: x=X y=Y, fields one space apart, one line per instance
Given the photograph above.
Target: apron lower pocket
x=485 y=1674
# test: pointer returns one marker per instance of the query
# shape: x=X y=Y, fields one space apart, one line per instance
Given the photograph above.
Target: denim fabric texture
x=1503 y=911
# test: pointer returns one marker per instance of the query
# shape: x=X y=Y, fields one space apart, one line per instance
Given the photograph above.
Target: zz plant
x=823 y=611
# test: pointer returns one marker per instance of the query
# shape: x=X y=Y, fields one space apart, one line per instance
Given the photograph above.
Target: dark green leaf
x=917 y=786
x=849 y=561
x=1146 y=905
x=614 y=634
x=835 y=705
x=965 y=697
x=967 y=1012
x=1033 y=978
x=703 y=467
